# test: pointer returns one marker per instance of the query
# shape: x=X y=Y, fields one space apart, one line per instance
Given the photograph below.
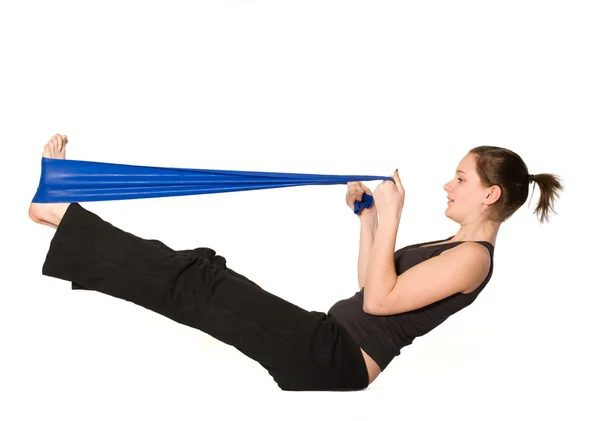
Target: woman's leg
x=196 y=288
x=202 y=252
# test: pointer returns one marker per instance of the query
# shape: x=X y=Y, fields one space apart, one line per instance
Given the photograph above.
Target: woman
x=403 y=294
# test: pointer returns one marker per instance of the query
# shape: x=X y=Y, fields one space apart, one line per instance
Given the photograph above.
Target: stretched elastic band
x=68 y=181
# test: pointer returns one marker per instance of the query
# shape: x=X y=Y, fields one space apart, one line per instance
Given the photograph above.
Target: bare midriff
x=372 y=366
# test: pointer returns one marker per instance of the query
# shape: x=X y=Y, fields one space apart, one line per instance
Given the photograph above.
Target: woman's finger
x=397 y=181
x=356 y=190
x=366 y=189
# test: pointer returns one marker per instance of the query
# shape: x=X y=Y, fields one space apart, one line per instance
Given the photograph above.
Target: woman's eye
x=459 y=179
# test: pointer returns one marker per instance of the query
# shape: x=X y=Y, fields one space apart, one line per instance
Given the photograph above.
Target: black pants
x=301 y=350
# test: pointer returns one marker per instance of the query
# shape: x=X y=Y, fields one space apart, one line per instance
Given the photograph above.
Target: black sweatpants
x=301 y=350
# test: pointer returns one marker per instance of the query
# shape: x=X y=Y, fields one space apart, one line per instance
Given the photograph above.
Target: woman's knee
x=212 y=256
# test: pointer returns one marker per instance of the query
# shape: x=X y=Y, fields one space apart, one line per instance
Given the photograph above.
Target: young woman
x=403 y=294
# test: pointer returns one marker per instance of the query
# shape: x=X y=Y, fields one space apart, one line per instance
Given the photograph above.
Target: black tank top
x=382 y=337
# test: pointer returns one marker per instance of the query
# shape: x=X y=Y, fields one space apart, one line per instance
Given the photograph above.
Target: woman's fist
x=355 y=193
x=389 y=197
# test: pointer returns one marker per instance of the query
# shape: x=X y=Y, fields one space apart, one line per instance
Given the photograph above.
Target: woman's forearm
x=368 y=228
x=380 y=276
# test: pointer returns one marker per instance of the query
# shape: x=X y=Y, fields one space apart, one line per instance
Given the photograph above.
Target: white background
x=324 y=87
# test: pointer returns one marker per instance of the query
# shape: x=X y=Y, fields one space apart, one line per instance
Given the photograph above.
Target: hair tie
x=531 y=176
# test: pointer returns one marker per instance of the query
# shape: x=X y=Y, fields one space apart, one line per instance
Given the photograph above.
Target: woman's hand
x=355 y=192
x=389 y=198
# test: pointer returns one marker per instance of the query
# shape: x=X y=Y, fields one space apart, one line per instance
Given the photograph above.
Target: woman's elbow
x=372 y=308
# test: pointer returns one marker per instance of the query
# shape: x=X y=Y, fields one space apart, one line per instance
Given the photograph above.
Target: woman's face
x=465 y=192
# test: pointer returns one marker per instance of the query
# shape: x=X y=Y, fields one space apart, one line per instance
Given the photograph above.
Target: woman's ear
x=493 y=195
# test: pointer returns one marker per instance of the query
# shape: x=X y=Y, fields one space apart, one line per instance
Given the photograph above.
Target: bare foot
x=50 y=214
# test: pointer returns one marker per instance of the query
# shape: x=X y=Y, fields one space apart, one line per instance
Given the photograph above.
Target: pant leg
x=199 y=291
x=203 y=252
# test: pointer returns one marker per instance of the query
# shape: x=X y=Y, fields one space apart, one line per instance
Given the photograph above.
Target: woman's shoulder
x=446 y=241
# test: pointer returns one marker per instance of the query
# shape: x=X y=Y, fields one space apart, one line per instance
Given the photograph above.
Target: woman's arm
x=380 y=277
x=368 y=228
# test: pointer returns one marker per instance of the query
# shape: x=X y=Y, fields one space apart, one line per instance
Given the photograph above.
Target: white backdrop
x=326 y=87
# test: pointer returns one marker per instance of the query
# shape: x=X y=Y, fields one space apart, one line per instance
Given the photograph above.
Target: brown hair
x=505 y=169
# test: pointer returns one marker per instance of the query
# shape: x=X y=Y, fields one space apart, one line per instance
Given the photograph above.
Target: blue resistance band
x=67 y=181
